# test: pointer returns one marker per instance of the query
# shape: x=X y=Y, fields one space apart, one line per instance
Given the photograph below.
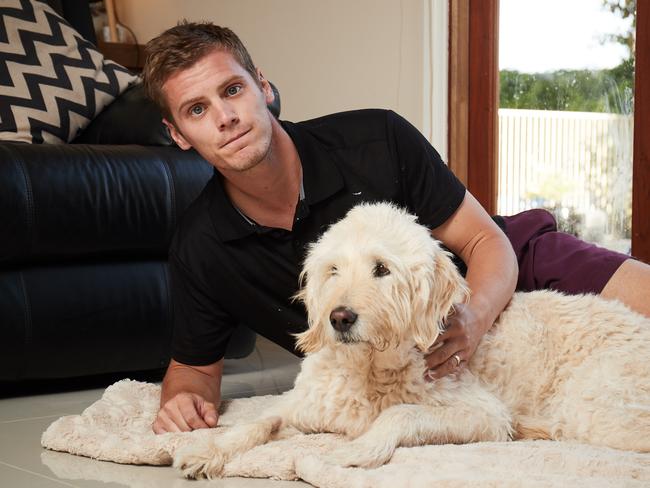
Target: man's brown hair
x=180 y=47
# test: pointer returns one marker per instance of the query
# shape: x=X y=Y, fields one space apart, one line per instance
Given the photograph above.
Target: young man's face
x=220 y=110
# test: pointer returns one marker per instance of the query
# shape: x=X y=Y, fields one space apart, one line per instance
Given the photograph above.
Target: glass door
x=565 y=118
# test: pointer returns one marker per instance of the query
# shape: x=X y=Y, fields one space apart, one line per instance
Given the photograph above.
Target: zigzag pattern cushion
x=52 y=81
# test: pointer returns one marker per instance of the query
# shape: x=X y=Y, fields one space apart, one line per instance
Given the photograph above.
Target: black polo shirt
x=227 y=270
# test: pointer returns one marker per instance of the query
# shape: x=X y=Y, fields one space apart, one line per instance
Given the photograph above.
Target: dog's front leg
x=207 y=459
x=417 y=425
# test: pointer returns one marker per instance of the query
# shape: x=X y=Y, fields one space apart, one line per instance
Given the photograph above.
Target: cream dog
x=377 y=287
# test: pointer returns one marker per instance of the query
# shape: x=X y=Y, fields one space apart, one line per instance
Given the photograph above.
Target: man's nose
x=342 y=318
x=225 y=115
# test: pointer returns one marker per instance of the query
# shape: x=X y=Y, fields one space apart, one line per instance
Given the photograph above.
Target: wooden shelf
x=128 y=55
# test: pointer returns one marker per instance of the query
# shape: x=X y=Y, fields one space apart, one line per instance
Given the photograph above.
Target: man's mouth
x=233 y=139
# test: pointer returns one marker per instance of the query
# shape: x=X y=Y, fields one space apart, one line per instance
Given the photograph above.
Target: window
x=565 y=115
x=473 y=108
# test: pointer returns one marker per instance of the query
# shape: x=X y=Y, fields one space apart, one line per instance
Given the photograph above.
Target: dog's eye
x=333 y=271
x=380 y=270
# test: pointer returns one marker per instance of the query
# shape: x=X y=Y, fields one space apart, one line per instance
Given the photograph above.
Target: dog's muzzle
x=342 y=318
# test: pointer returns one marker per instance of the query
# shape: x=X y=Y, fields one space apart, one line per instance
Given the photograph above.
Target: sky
x=546 y=35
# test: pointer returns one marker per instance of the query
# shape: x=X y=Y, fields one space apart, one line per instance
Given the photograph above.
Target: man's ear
x=266 y=87
x=176 y=135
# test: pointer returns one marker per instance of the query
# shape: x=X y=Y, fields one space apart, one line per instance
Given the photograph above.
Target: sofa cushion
x=52 y=81
x=130 y=119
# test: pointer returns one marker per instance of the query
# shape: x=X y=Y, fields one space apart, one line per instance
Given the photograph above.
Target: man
x=236 y=254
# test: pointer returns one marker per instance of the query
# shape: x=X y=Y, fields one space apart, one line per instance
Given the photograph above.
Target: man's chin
x=246 y=159
x=240 y=163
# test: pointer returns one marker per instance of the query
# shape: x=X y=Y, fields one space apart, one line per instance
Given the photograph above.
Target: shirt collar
x=320 y=179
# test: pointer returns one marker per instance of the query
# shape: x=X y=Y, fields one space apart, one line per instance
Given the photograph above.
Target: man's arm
x=492 y=272
x=189 y=398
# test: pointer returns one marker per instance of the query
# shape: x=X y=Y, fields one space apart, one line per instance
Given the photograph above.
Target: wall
x=323 y=55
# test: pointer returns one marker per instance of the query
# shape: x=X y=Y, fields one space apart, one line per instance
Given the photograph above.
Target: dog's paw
x=359 y=456
x=198 y=463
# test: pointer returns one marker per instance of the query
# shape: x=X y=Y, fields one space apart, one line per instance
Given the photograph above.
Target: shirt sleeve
x=201 y=328
x=430 y=190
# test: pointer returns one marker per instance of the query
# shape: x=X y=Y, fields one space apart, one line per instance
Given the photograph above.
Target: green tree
x=607 y=90
x=626 y=9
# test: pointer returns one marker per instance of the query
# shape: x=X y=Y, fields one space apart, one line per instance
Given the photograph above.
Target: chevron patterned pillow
x=52 y=81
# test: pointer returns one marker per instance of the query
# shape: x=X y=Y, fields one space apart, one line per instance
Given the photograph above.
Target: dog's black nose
x=342 y=318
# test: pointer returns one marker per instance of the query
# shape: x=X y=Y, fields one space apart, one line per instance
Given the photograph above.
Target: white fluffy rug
x=117 y=428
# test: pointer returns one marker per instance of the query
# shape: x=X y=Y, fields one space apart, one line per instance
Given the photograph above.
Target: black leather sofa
x=84 y=233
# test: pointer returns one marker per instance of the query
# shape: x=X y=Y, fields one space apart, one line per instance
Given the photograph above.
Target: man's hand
x=455 y=346
x=185 y=412
x=189 y=397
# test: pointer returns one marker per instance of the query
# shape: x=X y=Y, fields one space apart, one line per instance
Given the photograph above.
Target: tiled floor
x=23 y=463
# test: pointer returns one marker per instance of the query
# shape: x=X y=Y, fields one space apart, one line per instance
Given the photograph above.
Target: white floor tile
x=23 y=463
x=12 y=409
x=11 y=476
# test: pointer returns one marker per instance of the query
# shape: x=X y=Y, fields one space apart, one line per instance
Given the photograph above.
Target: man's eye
x=233 y=90
x=196 y=110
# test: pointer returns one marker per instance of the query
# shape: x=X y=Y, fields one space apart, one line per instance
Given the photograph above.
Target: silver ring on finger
x=457 y=358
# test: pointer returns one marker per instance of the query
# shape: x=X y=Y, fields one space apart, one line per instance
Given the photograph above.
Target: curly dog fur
x=553 y=366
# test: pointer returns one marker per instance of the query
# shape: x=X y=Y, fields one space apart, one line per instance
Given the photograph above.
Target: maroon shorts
x=551 y=259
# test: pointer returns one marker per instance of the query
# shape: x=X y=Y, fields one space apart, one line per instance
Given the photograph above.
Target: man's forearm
x=492 y=272
x=204 y=381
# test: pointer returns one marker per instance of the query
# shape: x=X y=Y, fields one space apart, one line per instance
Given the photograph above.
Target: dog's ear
x=438 y=286
x=313 y=338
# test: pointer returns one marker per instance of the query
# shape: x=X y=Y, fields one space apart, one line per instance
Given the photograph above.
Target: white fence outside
x=579 y=164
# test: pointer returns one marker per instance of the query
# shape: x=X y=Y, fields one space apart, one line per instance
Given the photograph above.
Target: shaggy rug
x=118 y=428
